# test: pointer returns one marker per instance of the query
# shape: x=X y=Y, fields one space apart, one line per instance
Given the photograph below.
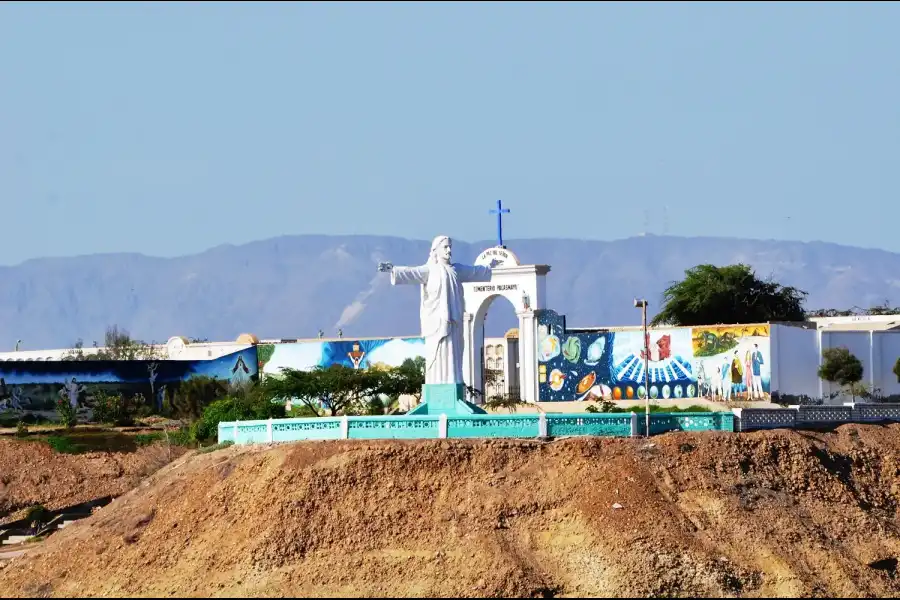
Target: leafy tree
x=195 y=394
x=336 y=389
x=840 y=366
x=733 y=294
x=405 y=380
x=295 y=385
x=897 y=369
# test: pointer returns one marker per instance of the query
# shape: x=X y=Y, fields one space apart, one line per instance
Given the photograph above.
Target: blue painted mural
x=37 y=385
x=357 y=354
x=722 y=363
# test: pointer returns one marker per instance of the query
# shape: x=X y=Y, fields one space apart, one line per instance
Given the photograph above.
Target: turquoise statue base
x=445 y=399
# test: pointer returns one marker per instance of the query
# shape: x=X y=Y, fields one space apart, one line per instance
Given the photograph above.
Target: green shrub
x=67 y=413
x=106 y=407
x=195 y=394
x=62 y=444
x=181 y=437
x=251 y=407
x=21 y=429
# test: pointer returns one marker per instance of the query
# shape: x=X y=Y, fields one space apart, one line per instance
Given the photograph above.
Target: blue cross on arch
x=499 y=211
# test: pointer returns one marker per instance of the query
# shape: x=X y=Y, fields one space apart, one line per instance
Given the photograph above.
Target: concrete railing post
x=345 y=427
x=442 y=426
x=634 y=425
x=542 y=425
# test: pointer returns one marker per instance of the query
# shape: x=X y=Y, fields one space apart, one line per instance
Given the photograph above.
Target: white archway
x=526 y=288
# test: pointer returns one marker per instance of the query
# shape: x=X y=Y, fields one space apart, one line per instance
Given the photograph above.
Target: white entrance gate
x=525 y=287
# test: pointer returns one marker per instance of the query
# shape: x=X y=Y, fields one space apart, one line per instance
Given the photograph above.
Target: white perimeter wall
x=797 y=353
x=795 y=358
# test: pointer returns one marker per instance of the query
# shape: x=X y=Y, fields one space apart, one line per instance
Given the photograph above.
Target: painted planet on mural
x=572 y=349
x=629 y=392
x=617 y=393
x=666 y=391
x=654 y=392
x=678 y=392
x=586 y=383
x=549 y=348
x=690 y=390
x=557 y=380
x=642 y=392
x=595 y=351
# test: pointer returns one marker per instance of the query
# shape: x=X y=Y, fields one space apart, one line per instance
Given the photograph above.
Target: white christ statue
x=442 y=308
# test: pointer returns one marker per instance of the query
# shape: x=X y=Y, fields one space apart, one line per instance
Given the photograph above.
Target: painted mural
x=357 y=354
x=721 y=363
x=37 y=385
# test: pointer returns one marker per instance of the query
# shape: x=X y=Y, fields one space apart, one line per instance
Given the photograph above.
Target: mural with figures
x=719 y=363
x=35 y=386
x=357 y=354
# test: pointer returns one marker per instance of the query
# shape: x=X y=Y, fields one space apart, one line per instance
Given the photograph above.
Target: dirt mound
x=710 y=514
x=33 y=473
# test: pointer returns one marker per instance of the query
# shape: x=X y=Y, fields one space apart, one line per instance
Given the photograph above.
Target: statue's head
x=441 y=249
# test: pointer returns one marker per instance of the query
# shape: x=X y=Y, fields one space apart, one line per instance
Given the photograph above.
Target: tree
x=897 y=369
x=337 y=389
x=733 y=294
x=118 y=345
x=196 y=393
x=293 y=384
x=405 y=380
x=840 y=366
x=877 y=310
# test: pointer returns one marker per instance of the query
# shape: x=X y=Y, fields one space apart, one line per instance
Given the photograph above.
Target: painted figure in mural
x=151 y=369
x=441 y=309
x=725 y=377
x=737 y=370
x=748 y=373
x=16 y=397
x=240 y=373
x=704 y=388
x=756 y=365
x=72 y=390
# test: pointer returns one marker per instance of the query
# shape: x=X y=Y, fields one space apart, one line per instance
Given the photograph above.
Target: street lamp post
x=17 y=344
x=642 y=304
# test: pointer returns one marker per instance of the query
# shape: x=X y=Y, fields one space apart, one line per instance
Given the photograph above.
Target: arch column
x=469 y=349
x=528 y=380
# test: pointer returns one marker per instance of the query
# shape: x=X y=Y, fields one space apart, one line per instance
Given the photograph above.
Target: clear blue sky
x=170 y=128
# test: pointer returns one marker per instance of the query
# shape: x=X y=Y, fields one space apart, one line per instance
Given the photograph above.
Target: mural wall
x=720 y=363
x=358 y=354
x=37 y=385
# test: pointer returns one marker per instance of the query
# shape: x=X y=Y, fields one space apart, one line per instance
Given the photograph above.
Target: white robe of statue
x=442 y=308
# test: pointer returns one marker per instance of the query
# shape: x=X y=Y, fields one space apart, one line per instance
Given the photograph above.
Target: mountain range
x=293 y=286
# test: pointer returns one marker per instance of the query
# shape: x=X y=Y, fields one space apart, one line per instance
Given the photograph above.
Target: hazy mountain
x=292 y=286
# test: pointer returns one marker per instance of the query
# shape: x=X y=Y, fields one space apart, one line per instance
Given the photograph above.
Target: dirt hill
x=713 y=514
x=32 y=473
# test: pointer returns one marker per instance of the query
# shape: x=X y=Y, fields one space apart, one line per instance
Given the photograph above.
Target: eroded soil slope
x=32 y=473
x=714 y=514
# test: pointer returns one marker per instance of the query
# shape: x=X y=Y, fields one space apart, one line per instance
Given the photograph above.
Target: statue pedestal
x=445 y=399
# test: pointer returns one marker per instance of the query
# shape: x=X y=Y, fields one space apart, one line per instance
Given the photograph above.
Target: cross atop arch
x=499 y=211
